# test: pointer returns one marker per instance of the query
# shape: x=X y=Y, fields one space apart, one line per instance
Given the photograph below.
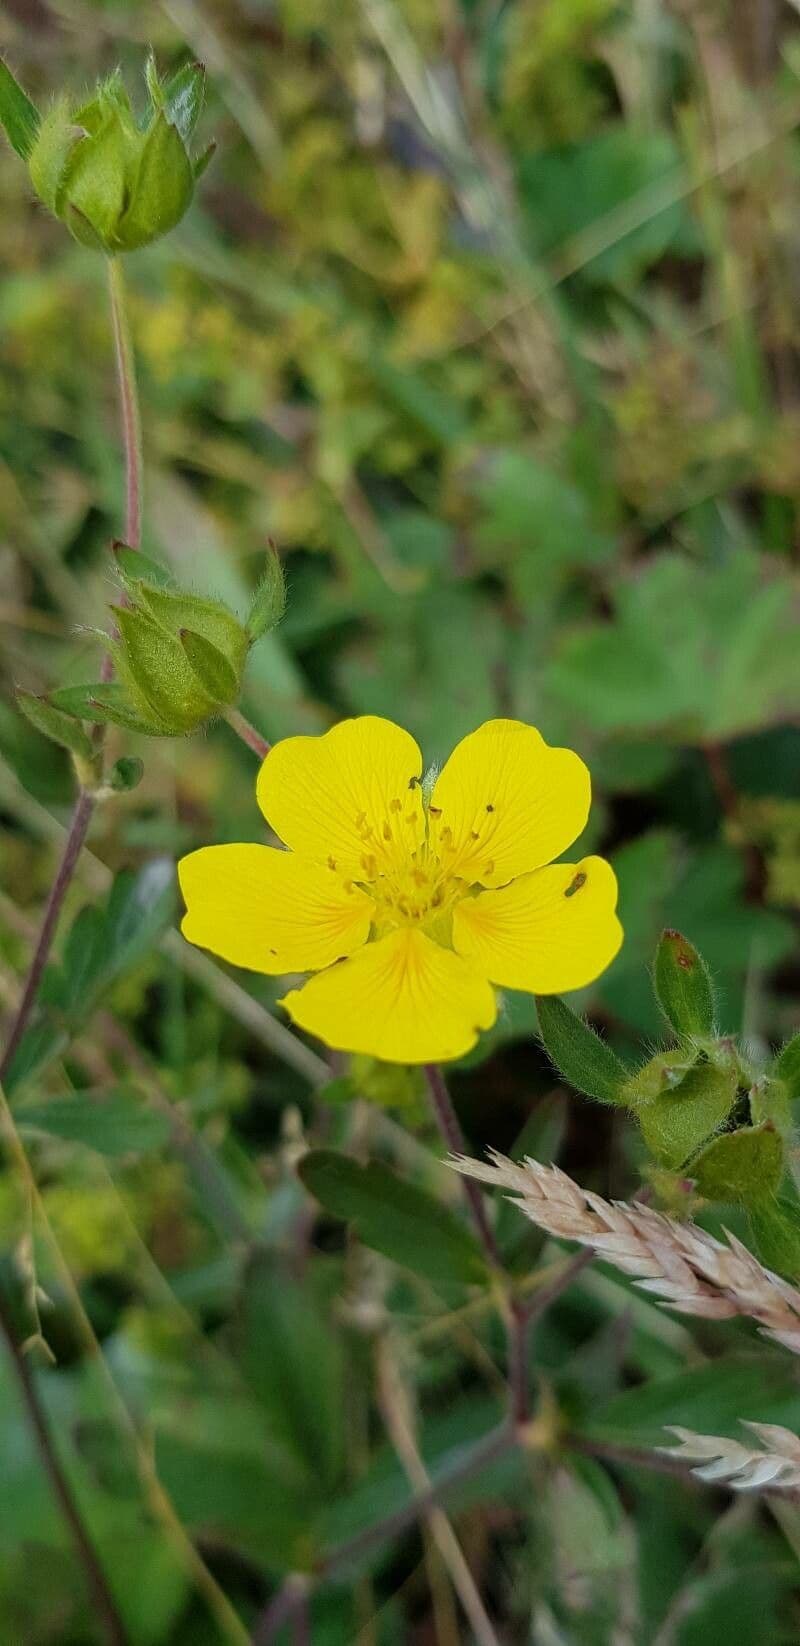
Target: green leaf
x=294 y=1361
x=681 y=1121
x=578 y=1053
x=746 y=1165
x=705 y=651
x=776 y=1236
x=683 y=985
x=710 y=1398
x=113 y=1122
x=787 y=1067
x=211 y=667
x=17 y=113
x=394 y=1217
x=126 y=774
x=55 y=724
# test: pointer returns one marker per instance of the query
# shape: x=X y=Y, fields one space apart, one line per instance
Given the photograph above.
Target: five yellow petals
x=409 y=912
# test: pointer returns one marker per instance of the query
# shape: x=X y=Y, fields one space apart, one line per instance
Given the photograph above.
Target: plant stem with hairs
x=129 y=404
x=102 y=1598
x=85 y=803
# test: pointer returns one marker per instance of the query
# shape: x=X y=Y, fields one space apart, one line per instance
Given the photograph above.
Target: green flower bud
x=115 y=180
x=179 y=660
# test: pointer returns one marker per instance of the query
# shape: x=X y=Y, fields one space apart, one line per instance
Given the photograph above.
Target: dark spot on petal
x=435 y=811
x=489 y=806
x=575 y=885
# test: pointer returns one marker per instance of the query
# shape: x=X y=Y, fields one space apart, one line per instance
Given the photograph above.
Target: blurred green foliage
x=488 y=316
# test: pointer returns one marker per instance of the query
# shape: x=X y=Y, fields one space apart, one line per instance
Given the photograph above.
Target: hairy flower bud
x=117 y=181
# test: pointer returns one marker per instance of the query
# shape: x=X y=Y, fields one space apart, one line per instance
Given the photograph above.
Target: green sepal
x=787 y=1067
x=55 y=141
x=683 y=987
x=578 y=1053
x=744 y=1166
x=175 y=610
x=134 y=567
x=269 y=601
x=17 y=113
x=126 y=774
x=94 y=186
x=662 y=1074
x=183 y=98
x=769 y=1100
x=204 y=159
x=162 y=189
x=108 y=703
x=157 y=672
x=211 y=667
x=54 y=723
x=681 y=1121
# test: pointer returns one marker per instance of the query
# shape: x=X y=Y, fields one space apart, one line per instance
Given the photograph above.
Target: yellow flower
x=409 y=912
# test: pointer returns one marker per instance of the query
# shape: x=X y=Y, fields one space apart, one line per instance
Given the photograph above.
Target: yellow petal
x=350 y=798
x=506 y=803
x=403 y=999
x=547 y=932
x=268 y=910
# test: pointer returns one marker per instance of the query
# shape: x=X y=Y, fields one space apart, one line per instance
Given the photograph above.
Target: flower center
x=419 y=893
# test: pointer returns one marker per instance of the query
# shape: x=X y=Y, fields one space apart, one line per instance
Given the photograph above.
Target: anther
x=488 y=868
x=387 y=832
x=395 y=805
x=331 y=862
x=368 y=864
x=435 y=811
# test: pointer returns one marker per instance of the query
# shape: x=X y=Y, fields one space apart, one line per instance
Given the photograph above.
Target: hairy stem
x=517 y=1321
x=129 y=404
x=335 y=1564
x=247 y=733
x=102 y=1598
x=450 y=1128
x=78 y=829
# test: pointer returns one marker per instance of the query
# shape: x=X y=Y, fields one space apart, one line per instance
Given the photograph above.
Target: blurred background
x=488 y=315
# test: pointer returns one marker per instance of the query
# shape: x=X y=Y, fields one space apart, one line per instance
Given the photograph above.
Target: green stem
x=129 y=404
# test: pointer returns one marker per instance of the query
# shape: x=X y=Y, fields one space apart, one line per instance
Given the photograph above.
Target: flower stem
x=104 y=1602
x=129 y=404
x=81 y=818
x=517 y=1320
x=450 y=1127
x=247 y=733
